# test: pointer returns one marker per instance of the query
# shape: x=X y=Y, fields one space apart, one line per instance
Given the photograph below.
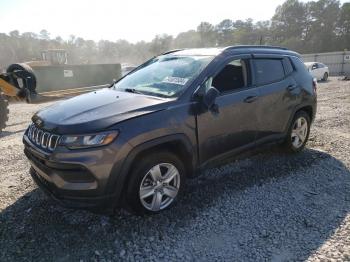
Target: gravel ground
x=267 y=206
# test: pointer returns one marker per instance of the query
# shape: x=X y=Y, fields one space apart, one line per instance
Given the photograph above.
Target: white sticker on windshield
x=175 y=80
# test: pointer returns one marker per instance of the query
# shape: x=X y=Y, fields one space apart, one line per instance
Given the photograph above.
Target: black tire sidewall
x=133 y=202
x=4 y=111
x=29 y=72
x=325 y=76
x=288 y=142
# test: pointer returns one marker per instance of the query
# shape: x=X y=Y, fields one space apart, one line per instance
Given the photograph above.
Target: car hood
x=96 y=111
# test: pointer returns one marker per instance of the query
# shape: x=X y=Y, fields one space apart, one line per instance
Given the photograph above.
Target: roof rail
x=255 y=46
x=172 y=51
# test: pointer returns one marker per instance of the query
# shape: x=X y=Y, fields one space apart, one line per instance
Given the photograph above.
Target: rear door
x=278 y=92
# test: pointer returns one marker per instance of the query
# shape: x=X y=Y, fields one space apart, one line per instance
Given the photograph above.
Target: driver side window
x=232 y=77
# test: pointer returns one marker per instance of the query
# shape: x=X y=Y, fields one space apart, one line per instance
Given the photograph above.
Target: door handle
x=291 y=87
x=250 y=99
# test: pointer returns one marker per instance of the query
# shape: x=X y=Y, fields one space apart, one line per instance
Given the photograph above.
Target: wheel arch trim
x=298 y=108
x=119 y=173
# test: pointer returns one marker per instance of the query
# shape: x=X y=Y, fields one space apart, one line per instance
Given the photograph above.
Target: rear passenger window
x=268 y=70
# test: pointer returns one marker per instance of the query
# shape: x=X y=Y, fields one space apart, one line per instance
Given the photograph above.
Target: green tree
x=207 y=34
x=189 y=39
x=225 y=32
x=44 y=34
x=161 y=44
x=343 y=27
x=323 y=16
x=314 y=26
x=288 y=25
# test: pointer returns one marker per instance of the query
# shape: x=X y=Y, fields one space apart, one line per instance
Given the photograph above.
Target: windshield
x=164 y=76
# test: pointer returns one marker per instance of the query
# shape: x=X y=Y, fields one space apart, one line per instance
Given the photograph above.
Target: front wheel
x=156 y=183
x=325 y=77
x=298 y=132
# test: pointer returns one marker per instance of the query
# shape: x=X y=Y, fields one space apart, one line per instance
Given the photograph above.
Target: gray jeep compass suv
x=135 y=143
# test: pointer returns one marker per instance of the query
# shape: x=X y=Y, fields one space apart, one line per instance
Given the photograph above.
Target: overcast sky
x=133 y=20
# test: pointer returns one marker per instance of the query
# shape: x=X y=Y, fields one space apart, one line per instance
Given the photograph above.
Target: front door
x=234 y=124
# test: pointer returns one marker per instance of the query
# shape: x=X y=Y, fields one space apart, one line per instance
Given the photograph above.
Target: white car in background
x=318 y=70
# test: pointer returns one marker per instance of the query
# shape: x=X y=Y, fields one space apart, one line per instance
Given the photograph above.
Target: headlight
x=91 y=140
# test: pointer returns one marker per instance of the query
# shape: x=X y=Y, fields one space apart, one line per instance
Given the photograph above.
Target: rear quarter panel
x=307 y=97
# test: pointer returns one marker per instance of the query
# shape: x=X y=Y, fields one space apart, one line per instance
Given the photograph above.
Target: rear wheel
x=156 y=183
x=4 y=111
x=325 y=77
x=298 y=132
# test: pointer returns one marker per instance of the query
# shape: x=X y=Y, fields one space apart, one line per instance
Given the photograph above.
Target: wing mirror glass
x=210 y=97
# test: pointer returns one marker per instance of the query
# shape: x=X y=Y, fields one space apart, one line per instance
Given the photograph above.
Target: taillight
x=314 y=84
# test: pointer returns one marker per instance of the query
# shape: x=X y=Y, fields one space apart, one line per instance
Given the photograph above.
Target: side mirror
x=314 y=67
x=210 y=97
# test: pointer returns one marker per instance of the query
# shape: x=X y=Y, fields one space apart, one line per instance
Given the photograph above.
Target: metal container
x=62 y=77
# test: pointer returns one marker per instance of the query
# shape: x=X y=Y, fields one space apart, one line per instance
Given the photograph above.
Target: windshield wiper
x=132 y=90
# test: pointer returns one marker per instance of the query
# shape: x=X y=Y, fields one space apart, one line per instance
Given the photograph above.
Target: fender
x=121 y=170
x=297 y=108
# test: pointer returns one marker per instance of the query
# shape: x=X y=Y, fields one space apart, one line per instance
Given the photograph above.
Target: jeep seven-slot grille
x=42 y=138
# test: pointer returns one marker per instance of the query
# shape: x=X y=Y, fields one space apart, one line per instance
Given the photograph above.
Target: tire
x=27 y=73
x=142 y=177
x=4 y=111
x=296 y=140
x=325 y=77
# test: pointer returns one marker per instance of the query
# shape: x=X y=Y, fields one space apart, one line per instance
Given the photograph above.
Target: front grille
x=41 y=138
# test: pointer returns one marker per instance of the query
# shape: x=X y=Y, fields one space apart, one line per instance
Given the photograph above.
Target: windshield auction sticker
x=175 y=80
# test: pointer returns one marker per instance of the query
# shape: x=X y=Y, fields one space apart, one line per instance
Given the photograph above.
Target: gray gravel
x=266 y=206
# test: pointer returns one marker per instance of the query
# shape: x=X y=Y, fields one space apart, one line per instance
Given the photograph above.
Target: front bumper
x=75 y=179
x=69 y=201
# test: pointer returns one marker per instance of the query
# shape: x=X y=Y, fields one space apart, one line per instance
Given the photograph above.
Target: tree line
x=306 y=27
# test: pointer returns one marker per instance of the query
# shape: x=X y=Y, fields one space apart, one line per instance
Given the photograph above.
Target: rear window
x=298 y=64
x=288 y=67
x=268 y=70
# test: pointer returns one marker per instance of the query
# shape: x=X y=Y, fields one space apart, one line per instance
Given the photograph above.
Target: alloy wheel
x=299 y=132
x=159 y=187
